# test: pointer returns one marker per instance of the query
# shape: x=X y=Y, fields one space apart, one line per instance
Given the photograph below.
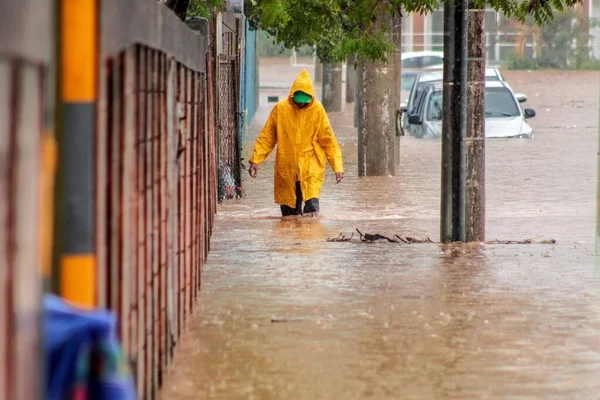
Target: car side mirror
x=414 y=119
x=521 y=98
x=403 y=107
x=529 y=113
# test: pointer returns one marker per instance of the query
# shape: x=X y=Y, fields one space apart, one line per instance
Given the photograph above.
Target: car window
x=407 y=82
x=434 y=107
x=419 y=84
x=499 y=102
x=413 y=62
x=414 y=93
x=420 y=100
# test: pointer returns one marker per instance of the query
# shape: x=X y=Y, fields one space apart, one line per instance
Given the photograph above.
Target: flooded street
x=285 y=314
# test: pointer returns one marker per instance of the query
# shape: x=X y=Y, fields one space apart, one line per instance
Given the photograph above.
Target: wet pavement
x=285 y=314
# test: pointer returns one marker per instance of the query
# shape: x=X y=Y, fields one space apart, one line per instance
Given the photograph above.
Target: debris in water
x=341 y=238
x=376 y=237
x=525 y=241
x=278 y=320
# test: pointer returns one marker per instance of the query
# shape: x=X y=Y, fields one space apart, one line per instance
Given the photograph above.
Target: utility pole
x=459 y=159
x=463 y=124
x=447 y=124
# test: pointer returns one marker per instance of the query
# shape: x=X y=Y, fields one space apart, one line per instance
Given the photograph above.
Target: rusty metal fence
x=229 y=146
x=155 y=179
x=25 y=56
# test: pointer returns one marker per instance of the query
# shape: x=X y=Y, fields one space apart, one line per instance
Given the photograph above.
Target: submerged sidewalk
x=285 y=314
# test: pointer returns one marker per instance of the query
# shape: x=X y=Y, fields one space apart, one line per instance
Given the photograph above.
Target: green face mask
x=303 y=98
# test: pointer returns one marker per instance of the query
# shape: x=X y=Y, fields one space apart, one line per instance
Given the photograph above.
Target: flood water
x=285 y=314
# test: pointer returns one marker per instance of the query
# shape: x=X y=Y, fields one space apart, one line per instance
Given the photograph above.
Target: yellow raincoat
x=304 y=140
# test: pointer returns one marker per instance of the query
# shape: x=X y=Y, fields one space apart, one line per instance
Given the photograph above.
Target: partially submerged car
x=504 y=117
x=424 y=79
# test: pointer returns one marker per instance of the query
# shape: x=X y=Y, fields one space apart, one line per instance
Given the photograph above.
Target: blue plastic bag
x=84 y=359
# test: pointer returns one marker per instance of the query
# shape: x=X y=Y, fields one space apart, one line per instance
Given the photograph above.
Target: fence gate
x=230 y=179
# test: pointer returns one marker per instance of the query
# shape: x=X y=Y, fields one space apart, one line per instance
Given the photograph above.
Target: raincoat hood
x=304 y=84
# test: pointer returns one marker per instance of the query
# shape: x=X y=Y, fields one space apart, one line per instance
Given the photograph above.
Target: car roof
x=431 y=76
x=439 y=85
x=494 y=84
x=413 y=72
x=410 y=54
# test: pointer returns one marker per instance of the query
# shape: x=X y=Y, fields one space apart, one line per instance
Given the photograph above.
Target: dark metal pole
x=459 y=110
x=447 y=123
x=461 y=232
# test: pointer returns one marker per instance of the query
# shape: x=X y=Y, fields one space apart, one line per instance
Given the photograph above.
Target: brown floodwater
x=285 y=314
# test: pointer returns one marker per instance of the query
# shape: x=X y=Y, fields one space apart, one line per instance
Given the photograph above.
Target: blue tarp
x=84 y=359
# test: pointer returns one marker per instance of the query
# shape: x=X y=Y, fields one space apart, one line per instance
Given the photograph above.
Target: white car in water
x=504 y=117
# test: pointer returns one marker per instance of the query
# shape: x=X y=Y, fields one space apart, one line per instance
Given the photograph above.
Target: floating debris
x=279 y=320
x=376 y=237
x=341 y=238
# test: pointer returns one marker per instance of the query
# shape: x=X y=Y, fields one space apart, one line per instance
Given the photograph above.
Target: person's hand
x=338 y=177
x=253 y=170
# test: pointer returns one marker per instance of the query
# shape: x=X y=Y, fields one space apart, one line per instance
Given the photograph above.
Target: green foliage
x=269 y=47
x=556 y=48
x=517 y=62
x=203 y=8
x=589 y=64
x=340 y=28
x=540 y=11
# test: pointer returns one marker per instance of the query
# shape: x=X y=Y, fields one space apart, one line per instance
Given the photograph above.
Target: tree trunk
x=377 y=109
x=475 y=182
x=179 y=7
x=332 y=87
x=318 y=71
x=583 y=38
x=358 y=98
x=350 y=80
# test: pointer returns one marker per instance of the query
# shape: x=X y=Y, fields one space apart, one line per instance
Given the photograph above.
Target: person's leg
x=298 y=199
x=287 y=211
x=311 y=207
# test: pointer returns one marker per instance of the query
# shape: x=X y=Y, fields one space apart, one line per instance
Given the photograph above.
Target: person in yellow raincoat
x=305 y=141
